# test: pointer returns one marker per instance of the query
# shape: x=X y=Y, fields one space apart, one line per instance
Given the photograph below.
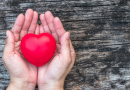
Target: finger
x=44 y=24
x=27 y=22
x=65 y=48
x=37 y=30
x=10 y=42
x=58 y=27
x=73 y=56
x=49 y=19
x=18 y=26
x=41 y=29
x=72 y=50
x=33 y=25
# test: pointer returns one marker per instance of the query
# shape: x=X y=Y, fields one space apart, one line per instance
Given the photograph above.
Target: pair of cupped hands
x=25 y=76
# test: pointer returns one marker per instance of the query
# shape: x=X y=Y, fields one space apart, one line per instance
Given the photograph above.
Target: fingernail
x=67 y=35
x=7 y=33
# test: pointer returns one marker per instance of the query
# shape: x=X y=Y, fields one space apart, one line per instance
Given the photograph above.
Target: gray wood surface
x=100 y=33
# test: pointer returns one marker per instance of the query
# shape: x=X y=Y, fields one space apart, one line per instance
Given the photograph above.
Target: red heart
x=38 y=49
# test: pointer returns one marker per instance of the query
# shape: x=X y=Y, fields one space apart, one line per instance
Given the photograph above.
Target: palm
x=49 y=68
x=28 y=70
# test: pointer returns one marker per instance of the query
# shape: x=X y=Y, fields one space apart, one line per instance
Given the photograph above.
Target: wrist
x=51 y=86
x=13 y=86
x=20 y=86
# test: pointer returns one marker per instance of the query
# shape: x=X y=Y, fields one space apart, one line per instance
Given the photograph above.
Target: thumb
x=10 y=42
x=65 y=48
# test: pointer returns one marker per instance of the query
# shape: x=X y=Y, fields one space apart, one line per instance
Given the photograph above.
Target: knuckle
x=31 y=31
x=24 y=29
x=73 y=54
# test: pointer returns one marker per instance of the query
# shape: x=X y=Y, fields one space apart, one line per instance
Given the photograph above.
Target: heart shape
x=38 y=49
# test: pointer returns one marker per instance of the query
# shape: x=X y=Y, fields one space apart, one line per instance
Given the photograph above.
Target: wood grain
x=100 y=34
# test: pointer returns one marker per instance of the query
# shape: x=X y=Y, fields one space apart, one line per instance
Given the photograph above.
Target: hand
x=52 y=75
x=23 y=75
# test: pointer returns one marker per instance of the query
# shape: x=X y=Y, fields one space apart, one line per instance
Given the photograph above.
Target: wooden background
x=100 y=33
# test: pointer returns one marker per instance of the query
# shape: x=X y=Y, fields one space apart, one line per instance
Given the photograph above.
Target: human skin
x=52 y=75
x=25 y=76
